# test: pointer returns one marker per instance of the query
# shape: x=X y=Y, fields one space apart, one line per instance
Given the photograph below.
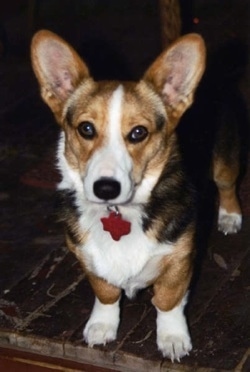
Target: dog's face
x=113 y=139
x=117 y=135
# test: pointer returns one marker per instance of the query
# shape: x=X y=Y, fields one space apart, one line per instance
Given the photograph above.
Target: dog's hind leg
x=225 y=175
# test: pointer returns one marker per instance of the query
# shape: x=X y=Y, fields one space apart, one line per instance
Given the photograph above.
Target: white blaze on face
x=112 y=159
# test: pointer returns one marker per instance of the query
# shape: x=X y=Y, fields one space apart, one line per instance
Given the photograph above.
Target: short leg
x=225 y=177
x=173 y=338
x=105 y=316
x=104 y=319
x=170 y=289
x=103 y=324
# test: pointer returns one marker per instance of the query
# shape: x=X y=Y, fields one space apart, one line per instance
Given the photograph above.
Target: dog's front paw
x=102 y=325
x=99 y=333
x=174 y=346
x=229 y=223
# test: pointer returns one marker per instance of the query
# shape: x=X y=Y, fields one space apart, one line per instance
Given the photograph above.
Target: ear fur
x=176 y=73
x=58 y=68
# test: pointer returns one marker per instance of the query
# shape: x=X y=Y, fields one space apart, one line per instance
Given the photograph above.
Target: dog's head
x=116 y=134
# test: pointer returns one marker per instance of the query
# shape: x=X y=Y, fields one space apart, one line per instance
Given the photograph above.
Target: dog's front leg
x=105 y=317
x=170 y=297
x=173 y=338
x=103 y=324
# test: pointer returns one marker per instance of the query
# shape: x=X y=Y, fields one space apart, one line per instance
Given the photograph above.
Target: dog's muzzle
x=106 y=188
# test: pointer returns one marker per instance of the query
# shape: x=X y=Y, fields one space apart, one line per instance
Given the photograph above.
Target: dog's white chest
x=129 y=263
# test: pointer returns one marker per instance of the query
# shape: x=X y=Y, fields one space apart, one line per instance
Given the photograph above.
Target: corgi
x=128 y=207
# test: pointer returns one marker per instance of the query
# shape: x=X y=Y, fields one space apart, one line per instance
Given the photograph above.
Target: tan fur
x=177 y=102
x=55 y=96
x=156 y=103
x=106 y=293
x=137 y=100
x=78 y=150
x=225 y=177
x=170 y=21
x=176 y=270
x=66 y=92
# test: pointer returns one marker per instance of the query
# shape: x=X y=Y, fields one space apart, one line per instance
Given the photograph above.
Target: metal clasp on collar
x=113 y=208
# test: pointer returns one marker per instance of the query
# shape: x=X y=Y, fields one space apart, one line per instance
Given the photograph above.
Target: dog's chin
x=118 y=201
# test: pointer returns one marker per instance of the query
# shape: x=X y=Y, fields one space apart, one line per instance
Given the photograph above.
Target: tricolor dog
x=128 y=208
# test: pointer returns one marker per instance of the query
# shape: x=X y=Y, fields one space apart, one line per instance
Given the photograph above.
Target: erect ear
x=58 y=68
x=176 y=73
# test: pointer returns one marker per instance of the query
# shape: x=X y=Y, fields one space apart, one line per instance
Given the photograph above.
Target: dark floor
x=44 y=298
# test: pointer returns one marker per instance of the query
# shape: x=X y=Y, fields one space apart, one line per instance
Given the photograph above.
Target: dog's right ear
x=58 y=68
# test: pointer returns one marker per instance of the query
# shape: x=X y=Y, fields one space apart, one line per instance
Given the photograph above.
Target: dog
x=128 y=207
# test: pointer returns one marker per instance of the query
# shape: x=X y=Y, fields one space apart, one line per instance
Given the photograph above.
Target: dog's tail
x=170 y=18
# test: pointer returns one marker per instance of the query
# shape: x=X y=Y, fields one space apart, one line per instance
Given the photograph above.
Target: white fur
x=112 y=160
x=173 y=338
x=143 y=191
x=148 y=273
x=126 y=263
x=103 y=324
x=229 y=223
x=71 y=179
x=133 y=261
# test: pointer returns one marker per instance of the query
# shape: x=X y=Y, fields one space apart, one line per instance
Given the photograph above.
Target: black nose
x=107 y=188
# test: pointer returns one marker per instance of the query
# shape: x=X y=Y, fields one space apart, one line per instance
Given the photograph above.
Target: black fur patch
x=172 y=205
x=160 y=121
x=69 y=115
x=69 y=215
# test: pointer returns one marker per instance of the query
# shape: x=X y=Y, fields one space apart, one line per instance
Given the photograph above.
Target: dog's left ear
x=176 y=73
x=58 y=68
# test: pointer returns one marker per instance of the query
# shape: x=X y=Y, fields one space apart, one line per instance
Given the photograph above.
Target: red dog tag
x=115 y=225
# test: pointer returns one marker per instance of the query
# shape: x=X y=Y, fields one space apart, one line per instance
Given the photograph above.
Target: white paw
x=173 y=338
x=99 y=333
x=174 y=346
x=102 y=325
x=229 y=223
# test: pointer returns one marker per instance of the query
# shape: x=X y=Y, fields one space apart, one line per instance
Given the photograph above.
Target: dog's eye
x=137 y=134
x=86 y=130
